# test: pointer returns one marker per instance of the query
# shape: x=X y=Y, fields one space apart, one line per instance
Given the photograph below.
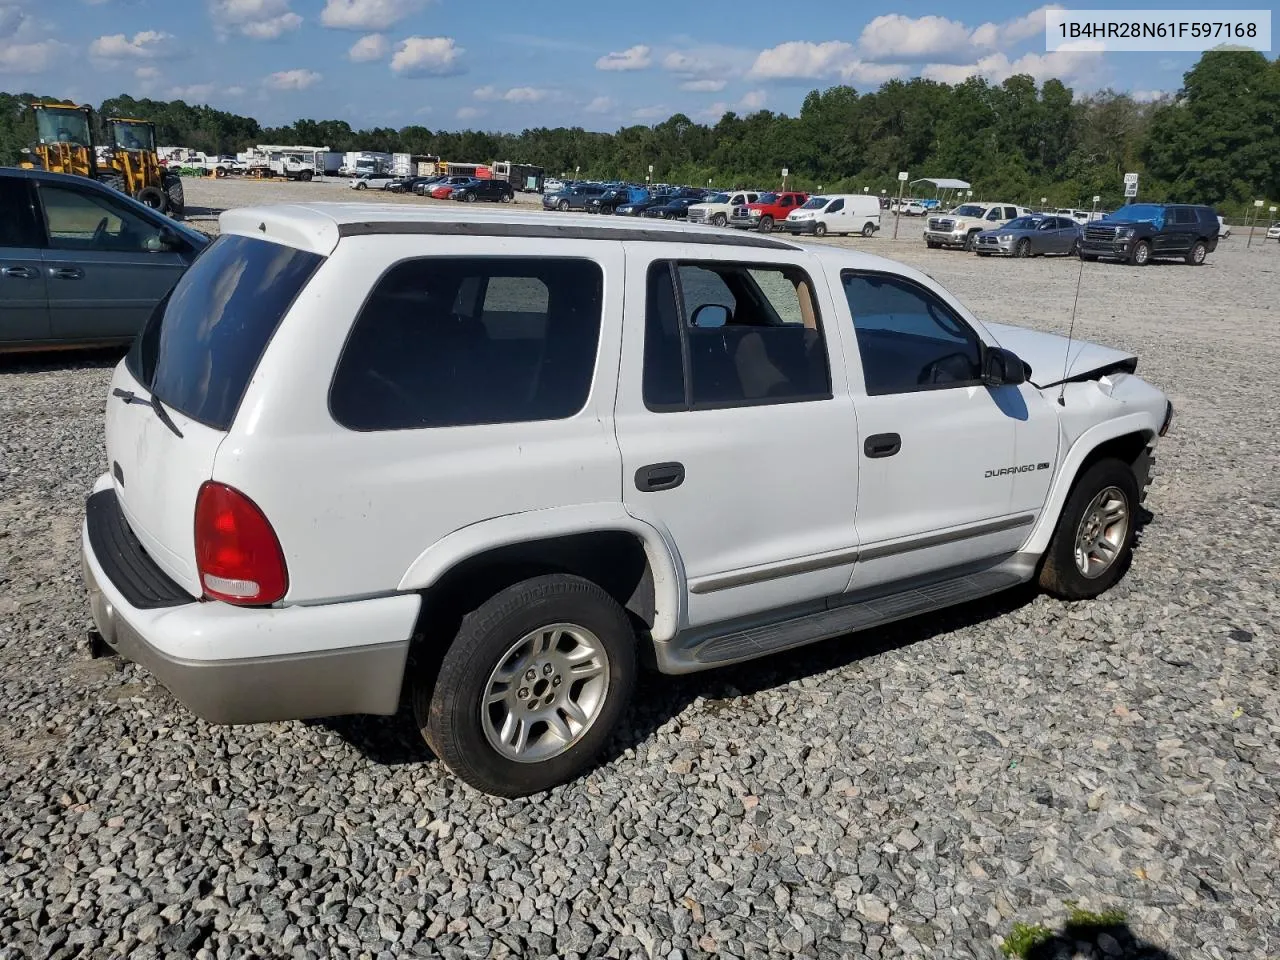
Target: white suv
x=354 y=433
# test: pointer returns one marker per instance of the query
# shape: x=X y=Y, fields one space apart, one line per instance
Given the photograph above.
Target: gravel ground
x=909 y=792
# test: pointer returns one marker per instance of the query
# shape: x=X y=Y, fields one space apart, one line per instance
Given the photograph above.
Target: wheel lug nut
x=555 y=681
x=546 y=669
x=530 y=673
x=523 y=693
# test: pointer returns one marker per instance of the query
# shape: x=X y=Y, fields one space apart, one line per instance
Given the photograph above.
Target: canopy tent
x=942 y=183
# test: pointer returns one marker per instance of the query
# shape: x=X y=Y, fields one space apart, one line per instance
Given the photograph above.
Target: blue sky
x=508 y=64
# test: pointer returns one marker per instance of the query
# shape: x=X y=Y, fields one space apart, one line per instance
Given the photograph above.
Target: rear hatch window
x=198 y=351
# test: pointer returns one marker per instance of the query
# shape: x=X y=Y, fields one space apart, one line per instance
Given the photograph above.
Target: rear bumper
x=251 y=665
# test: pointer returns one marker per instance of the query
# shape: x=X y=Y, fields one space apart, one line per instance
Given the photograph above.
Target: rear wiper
x=128 y=396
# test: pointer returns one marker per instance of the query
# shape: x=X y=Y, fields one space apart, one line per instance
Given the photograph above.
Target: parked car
x=959 y=227
x=637 y=208
x=443 y=189
x=424 y=188
x=767 y=210
x=615 y=197
x=677 y=208
x=497 y=191
x=1273 y=231
x=407 y=184
x=839 y=213
x=1224 y=228
x=80 y=262
x=1141 y=232
x=274 y=543
x=372 y=181
x=911 y=208
x=718 y=208
x=552 y=185
x=1030 y=236
x=572 y=198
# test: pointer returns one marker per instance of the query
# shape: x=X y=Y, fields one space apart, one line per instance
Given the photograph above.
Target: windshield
x=62 y=126
x=1138 y=213
x=815 y=203
x=718 y=198
x=1024 y=223
x=969 y=210
x=203 y=342
x=134 y=136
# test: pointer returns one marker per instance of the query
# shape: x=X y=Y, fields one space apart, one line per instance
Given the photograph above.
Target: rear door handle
x=882 y=445
x=659 y=476
x=19 y=273
x=66 y=273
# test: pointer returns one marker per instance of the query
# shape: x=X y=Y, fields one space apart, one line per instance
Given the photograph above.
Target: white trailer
x=357 y=162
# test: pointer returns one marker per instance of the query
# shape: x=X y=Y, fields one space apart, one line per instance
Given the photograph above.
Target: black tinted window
x=17 y=220
x=907 y=338
x=202 y=344
x=836 y=206
x=451 y=341
x=1184 y=215
x=745 y=333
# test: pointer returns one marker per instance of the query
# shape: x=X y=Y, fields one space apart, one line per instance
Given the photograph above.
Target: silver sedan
x=1030 y=236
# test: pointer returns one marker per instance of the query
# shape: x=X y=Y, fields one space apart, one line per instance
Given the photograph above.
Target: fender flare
x=477 y=538
x=1086 y=443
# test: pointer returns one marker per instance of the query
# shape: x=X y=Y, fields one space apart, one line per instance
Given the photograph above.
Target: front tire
x=1093 y=543
x=819 y=229
x=766 y=224
x=719 y=220
x=1140 y=256
x=1023 y=249
x=968 y=240
x=562 y=206
x=176 y=197
x=532 y=686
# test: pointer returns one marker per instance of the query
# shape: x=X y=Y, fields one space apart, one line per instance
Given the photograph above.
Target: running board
x=687 y=655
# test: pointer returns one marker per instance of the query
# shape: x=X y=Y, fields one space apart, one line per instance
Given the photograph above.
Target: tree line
x=1216 y=140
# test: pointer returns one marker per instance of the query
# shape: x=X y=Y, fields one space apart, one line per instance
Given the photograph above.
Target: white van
x=842 y=213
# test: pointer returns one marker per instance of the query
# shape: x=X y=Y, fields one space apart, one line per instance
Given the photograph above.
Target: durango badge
x=1005 y=471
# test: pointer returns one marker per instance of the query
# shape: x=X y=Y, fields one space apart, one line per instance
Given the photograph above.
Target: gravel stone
x=906 y=792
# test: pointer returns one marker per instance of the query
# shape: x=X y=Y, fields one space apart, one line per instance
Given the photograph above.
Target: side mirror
x=1002 y=367
x=710 y=315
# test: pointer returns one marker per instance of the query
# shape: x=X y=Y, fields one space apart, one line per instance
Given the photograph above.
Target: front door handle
x=659 y=476
x=882 y=445
x=66 y=273
x=19 y=273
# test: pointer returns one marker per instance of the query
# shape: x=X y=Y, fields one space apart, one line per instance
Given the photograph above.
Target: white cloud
x=1149 y=96
x=754 y=99
x=293 y=79
x=894 y=36
x=861 y=72
x=367 y=14
x=147 y=73
x=633 y=58
x=236 y=91
x=255 y=19
x=469 y=113
x=145 y=45
x=427 y=56
x=194 y=93
x=801 y=59
x=30 y=58
x=371 y=47
x=513 y=95
x=704 y=86
x=601 y=105
x=997 y=67
x=650 y=113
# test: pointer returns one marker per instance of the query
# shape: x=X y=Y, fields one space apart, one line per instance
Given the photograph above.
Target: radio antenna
x=1066 y=360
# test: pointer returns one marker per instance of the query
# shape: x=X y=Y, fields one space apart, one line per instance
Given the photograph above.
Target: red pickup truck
x=765 y=212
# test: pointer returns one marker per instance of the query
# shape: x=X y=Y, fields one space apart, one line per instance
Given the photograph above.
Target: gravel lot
x=909 y=792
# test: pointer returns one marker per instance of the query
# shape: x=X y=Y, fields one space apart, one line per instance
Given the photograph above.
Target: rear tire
x=114 y=181
x=153 y=197
x=478 y=737
x=868 y=230
x=176 y=196
x=1196 y=255
x=1084 y=538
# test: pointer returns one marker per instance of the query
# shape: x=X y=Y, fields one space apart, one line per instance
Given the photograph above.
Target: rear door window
x=456 y=341
x=18 y=227
x=202 y=344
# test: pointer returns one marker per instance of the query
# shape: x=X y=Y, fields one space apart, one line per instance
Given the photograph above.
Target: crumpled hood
x=1047 y=354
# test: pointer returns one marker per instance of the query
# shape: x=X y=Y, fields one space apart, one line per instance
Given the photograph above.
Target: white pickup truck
x=535 y=455
x=718 y=208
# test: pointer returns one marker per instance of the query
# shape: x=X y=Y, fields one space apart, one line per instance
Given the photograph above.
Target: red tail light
x=237 y=554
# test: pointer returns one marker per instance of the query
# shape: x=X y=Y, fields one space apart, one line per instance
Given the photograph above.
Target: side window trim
x=935 y=302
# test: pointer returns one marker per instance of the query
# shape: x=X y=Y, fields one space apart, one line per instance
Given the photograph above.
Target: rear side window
x=1184 y=215
x=198 y=351
x=18 y=223
x=457 y=341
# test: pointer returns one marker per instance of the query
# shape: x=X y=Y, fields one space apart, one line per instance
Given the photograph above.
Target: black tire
x=176 y=196
x=1087 y=257
x=446 y=705
x=153 y=197
x=471 y=198
x=766 y=224
x=563 y=206
x=1075 y=249
x=219 y=172
x=719 y=220
x=1060 y=575
x=968 y=240
x=868 y=230
x=508 y=197
x=931 y=244
x=305 y=176
x=1140 y=255
x=114 y=181
x=362 y=186
x=1023 y=248
x=1196 y=255
x=819 y=229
